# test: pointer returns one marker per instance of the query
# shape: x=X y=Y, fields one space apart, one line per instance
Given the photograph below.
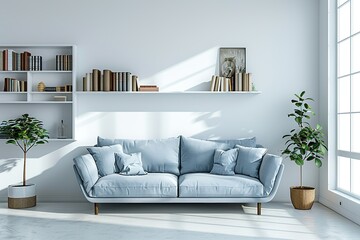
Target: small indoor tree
x=24 y=132
x=305 y=143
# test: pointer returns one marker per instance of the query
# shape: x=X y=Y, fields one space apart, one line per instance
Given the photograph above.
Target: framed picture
x=232 y=60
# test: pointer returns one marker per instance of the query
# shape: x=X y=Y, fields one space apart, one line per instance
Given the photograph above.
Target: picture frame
x=232 y=60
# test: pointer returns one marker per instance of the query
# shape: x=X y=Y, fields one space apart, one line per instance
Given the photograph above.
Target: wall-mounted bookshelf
x=50 y=105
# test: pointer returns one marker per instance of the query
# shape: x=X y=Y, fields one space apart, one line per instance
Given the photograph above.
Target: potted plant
x=304 y=144
x=24 y=132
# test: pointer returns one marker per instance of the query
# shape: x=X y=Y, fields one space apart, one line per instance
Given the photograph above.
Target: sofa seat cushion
x=157 y=155
x=151 y=185
x=219 y=186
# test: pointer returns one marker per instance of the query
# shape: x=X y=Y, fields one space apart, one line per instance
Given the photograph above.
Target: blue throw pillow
x=104 y=158
x=129 y=164
x=249 y=160
x=224 y=161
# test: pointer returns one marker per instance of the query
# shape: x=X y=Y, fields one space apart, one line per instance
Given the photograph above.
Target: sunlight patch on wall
x=145 y=125
x=192 y=74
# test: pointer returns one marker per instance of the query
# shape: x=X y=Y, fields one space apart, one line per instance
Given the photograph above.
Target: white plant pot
x=20 y=196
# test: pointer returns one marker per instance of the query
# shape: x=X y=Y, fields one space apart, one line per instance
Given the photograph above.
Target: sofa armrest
x=88 y=171
x=268 y=171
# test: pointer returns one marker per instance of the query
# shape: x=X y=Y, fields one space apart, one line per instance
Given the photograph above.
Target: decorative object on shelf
x=231 y=60
x=110 y=81
x=61 y=130
x=148 y=88
x=228 y=67
x=41 y=87
x=304 y=143
x=24 y=132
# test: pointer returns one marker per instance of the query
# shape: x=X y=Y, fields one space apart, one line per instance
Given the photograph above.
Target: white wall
x=174 y=44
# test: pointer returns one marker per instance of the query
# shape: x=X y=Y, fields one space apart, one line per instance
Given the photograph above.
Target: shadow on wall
x=7 y=164
x=55 y=181
x=8 y=151
x=37 y=152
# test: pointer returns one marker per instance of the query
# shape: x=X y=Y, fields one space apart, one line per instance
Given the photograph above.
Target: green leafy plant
x=24 y=132
x=304 y=143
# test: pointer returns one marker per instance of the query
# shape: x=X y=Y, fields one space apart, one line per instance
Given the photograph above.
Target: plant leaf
x=318 y=162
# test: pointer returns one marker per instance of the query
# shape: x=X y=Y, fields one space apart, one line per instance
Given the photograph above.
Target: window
x=348 y=96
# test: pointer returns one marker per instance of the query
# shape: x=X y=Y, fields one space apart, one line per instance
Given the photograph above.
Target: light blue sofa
x=178 y=172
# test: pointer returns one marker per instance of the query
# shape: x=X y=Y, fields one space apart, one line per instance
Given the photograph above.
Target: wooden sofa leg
x=96 y=208
x=258 y=208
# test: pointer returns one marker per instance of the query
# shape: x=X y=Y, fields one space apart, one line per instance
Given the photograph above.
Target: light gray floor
x=65 y=221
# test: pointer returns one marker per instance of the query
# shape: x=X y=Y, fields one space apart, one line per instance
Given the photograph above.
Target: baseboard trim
x=340 y=210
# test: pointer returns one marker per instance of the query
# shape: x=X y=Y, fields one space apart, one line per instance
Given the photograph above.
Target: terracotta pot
x=20 y=196
x=302 y=198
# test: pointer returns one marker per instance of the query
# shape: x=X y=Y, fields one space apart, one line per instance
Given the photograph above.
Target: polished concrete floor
x=66 y=221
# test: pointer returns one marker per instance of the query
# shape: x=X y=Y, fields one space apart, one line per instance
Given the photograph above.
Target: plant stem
x=301 y=177
x=24 y=172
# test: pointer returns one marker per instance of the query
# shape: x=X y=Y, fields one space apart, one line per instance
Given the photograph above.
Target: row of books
x=65 y=88
x=63 y=62
x=108 y=80
x=13 y=61
x=14 y=85
x=240 y=82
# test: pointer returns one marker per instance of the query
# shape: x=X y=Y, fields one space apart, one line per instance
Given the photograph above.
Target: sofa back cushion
x=245 y=142
x=157 y=155
x=198 y=155
x=105 y=159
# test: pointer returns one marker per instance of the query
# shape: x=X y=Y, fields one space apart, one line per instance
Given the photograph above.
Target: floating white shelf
x=42 y=71
x=178 y=92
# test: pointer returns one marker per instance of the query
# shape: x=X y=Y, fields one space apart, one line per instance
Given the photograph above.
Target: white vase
x=20 y=196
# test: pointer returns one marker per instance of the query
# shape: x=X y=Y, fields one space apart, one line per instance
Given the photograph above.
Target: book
x=107 y=80
x=60 y=98
x=148 y=88
x=212 y=83
x=10 y=59
x=50 y=89
x=96 y=79
x=1 y=61
x=249 y=79
x=238 y=82
x=128 y=81
x=243 y=81
x=5 y=60
x=87 y=82
x=26 y=60
x=135 y=85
